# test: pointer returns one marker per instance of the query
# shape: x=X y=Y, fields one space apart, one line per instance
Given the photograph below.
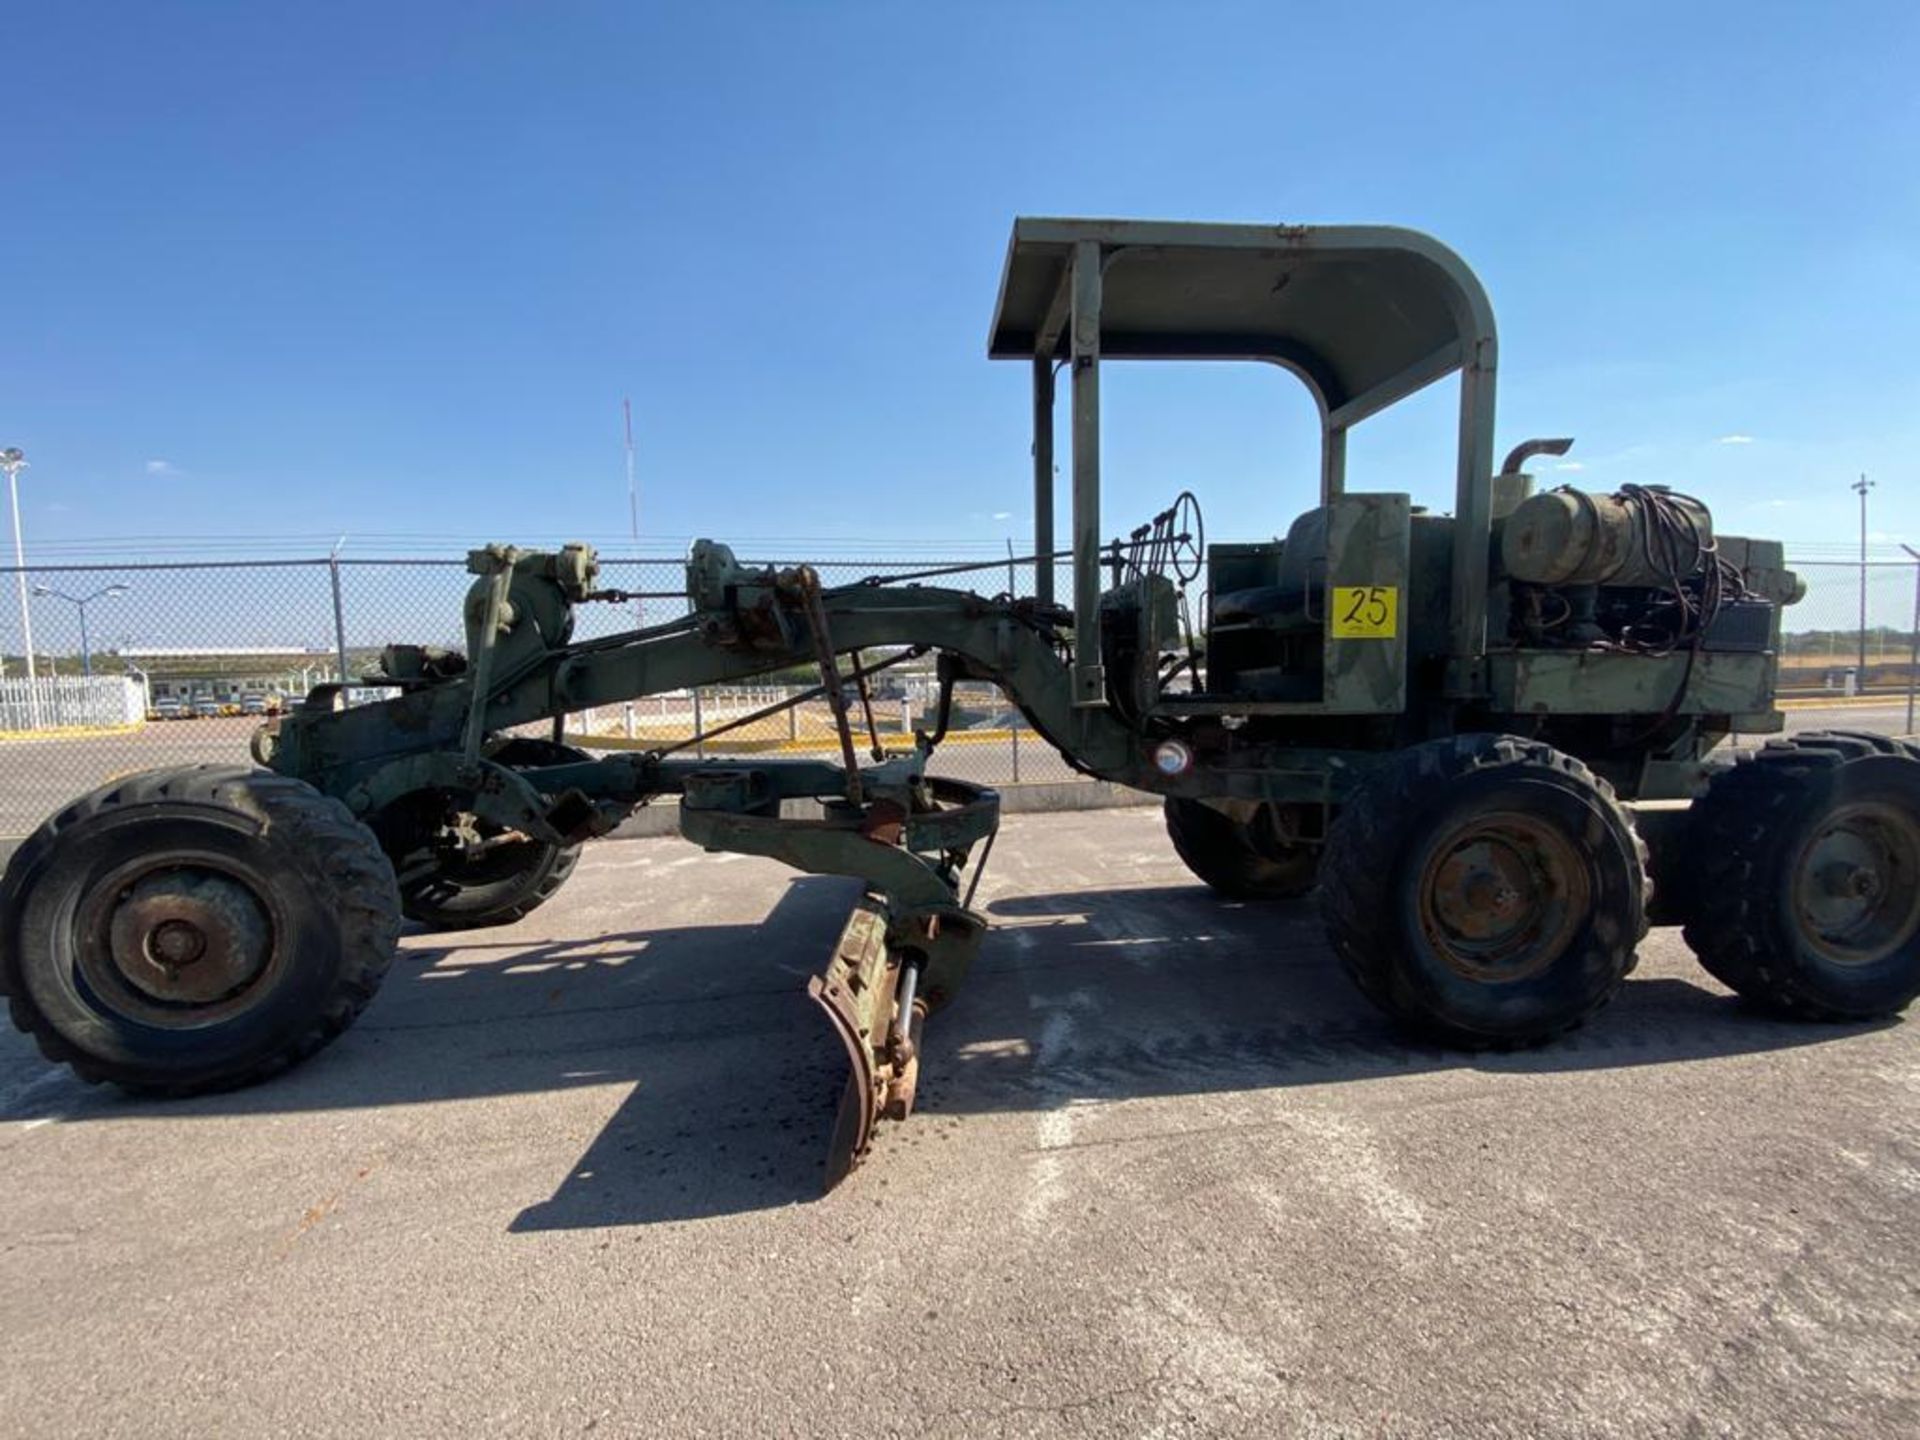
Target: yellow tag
x=1366 y=612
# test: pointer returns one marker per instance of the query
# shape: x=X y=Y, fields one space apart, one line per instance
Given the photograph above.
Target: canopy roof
x=1364 y=314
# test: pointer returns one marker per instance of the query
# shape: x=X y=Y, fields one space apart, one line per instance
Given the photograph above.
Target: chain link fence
x=138 y=666
x=1855 y=631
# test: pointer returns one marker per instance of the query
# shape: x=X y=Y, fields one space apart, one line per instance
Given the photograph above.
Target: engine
x=1637 y=570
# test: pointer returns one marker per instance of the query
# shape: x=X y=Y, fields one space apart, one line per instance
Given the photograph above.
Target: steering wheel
x=1187 y=536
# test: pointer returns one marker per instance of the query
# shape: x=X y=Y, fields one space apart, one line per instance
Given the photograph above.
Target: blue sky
x=387 y=270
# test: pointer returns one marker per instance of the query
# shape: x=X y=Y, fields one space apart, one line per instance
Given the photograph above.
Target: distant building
x=185 y=672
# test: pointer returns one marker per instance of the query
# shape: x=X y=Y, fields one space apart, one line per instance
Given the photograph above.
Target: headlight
x=1173 y=757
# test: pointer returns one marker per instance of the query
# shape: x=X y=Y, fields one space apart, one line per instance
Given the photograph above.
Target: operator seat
x=1288 y=603
x=1265 y=640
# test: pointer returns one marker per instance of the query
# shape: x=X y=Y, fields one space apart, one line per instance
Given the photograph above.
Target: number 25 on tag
x=1366 y=612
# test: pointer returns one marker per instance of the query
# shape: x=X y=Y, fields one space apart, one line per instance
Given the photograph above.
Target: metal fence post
x=699 y=726
x=1913 y=648
x=339 y=615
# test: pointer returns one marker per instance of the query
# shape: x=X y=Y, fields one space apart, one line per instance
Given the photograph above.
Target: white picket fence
x=62 y=702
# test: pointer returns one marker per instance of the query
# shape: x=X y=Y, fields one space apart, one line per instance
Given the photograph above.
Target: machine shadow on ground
x=1080 y=995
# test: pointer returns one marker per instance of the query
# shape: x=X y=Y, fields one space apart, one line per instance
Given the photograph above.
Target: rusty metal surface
x=176 y=943
x=856 y=991
x=189 y=937
x=1501 y=896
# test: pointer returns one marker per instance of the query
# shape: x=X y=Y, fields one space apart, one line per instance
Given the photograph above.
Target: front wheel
x=1808 y=902
x=194 y=929
x=460 y=872
x=1486 y=889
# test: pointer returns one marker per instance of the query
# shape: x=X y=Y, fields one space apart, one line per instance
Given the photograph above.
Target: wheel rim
x=177 y=943
x=1502 y=897
x=1856 y=883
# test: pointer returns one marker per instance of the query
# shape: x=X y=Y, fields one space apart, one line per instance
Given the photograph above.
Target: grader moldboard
x=1432 y=719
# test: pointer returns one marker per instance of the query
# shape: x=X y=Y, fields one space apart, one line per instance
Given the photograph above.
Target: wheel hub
x=173 y=943
x=1501 y=897
x=1856 y=889
x=188 y=937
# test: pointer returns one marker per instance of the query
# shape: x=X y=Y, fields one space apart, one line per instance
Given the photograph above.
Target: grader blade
x=869 y=992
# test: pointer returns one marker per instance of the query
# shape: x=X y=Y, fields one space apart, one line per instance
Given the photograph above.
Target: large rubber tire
x=1485 y=889
x=1240 y=866
x=507 y=883
x=1808 y=895
x=194 y=929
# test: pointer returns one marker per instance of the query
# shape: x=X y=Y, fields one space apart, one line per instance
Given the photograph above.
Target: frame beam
x=1046 y=340
x=1436 y=366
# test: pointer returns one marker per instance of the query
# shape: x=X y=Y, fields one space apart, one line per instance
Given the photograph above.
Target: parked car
x=253 y=704
x=205 y=706
x=168 y=708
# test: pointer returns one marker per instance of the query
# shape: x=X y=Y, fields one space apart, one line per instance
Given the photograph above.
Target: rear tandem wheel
x=1486 y=889
x=1807 y=901
x=1255 y=861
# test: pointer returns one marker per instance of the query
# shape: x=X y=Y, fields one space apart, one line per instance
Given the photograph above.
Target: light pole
x=80 y=603
x=1861 y=487
x=13 y=461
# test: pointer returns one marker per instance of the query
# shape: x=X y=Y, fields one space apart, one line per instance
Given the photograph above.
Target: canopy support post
x=1089 y=675
x=1333 y=463
x=1472 y=524
x=1043 y=478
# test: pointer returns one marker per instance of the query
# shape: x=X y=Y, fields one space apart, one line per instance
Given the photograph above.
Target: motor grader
x=1476 y=735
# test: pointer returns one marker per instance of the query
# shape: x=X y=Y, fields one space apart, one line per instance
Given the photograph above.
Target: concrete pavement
x=1169 y=1176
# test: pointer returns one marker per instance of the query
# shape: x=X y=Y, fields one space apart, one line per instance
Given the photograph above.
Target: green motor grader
x=1475 y=735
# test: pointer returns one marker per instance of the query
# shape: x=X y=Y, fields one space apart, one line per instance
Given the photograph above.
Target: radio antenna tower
x=633 y=508
x=633 y=494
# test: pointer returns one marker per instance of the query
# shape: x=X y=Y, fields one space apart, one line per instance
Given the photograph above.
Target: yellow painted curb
x=1842 y=702
x=69 y=732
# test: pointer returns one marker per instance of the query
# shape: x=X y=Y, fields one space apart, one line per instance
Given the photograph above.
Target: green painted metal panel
x=1608 y=682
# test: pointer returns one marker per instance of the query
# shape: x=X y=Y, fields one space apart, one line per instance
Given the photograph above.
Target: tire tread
x=1357 y=903
x=344 y=854
x=1731 y=826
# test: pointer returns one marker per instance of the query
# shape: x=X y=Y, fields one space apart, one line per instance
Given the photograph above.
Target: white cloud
x=1570 y=465
x=1736 y=440
x=1003 y=514
x=162 y=467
